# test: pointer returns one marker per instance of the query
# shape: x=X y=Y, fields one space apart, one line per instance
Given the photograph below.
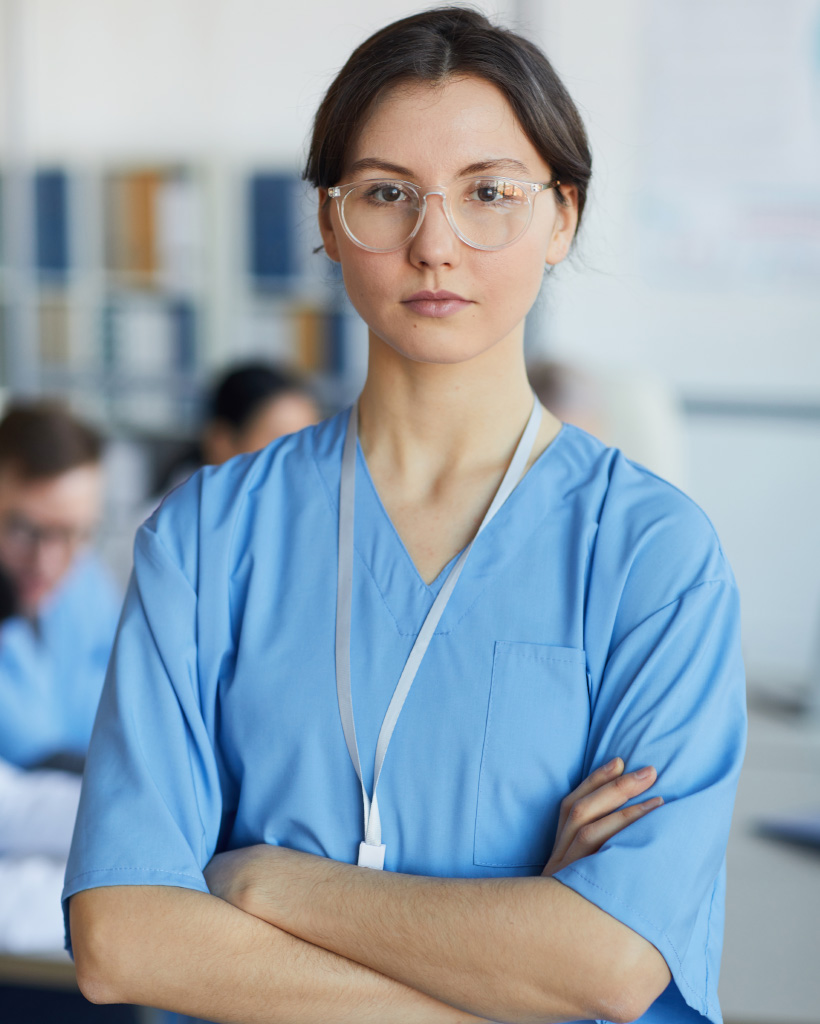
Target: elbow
x=93 y=985
x=624 y=1009
x=629 y=995
x=95 y=955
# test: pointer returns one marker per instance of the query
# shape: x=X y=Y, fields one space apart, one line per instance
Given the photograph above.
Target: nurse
x=432 y=712
x=61 y=604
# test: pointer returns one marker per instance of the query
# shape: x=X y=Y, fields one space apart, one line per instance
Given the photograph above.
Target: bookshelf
x=123 y=287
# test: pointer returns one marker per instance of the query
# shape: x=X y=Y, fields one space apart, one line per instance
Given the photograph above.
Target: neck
x=425 y=419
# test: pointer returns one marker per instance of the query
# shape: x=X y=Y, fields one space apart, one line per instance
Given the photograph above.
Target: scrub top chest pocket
x=534 y=745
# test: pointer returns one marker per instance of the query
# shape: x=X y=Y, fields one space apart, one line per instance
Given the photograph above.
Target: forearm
x=513 y=949
x=190 y=952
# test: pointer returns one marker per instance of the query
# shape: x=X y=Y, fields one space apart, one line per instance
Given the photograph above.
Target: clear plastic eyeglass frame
x=530 y=189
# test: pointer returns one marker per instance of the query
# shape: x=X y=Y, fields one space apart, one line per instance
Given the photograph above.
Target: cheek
x=371 y=279
x=510 y=285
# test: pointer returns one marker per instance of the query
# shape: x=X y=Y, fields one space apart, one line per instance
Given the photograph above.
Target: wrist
x=273 y=883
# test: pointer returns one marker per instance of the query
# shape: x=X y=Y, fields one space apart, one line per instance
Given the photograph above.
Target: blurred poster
x=730 y=196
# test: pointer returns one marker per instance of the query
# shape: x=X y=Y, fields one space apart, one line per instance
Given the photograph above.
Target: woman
x=248 y=406
x=593 y=627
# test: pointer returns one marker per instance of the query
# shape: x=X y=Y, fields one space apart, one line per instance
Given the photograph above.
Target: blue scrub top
x=51 y=675
x=596 y=616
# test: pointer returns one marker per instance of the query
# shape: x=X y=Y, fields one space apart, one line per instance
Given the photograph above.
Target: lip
x=436 y=304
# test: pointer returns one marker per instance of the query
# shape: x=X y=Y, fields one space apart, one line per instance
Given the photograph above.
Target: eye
x=387 y=192
x=495 y=192
x=487 y=193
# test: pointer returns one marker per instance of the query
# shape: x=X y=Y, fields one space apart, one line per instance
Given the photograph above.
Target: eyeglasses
x=23 y=536
x=382 y=215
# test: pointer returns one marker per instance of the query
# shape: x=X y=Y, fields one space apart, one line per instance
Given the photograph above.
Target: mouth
x=436 y=304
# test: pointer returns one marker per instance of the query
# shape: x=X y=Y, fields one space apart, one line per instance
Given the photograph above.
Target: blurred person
x=570 y=393
x=631 y=410
x=61 y=604
x=250 y=405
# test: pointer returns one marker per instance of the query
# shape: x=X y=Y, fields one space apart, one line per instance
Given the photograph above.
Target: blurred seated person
x=61 y=605
x=627 y=409
x=250 y=406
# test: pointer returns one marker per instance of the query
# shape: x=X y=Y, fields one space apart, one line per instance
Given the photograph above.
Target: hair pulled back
x=438 y=45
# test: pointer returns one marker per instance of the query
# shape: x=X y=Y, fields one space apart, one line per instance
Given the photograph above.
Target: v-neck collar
x=363 y=473
x=384 y=555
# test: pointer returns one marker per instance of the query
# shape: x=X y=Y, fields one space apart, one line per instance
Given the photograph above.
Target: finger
x=602 y=801
x=591 y=837
x=593 y=781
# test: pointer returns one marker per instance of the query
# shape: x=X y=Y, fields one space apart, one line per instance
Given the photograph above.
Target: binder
x=51 y=224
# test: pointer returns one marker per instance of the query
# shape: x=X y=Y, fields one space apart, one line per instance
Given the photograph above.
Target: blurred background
x=154 y=231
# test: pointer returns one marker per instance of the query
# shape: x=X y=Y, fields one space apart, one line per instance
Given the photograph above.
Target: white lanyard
x=371 y=851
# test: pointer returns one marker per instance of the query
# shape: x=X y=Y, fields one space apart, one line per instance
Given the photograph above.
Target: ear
x=566 y=221
x=328 y=231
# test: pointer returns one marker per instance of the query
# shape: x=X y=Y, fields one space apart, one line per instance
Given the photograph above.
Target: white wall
x=237 y=82
x=761 y=340
x=236 y=79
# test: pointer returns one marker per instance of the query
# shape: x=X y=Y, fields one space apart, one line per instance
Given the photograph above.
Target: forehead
x=75 y=493
x=443 y=128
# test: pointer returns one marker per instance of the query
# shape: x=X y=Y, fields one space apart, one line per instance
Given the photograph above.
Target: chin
x=442 y=350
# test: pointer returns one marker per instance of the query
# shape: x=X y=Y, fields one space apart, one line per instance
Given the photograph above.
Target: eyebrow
x=370 y=163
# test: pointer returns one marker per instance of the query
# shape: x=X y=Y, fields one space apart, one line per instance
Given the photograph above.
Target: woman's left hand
x=590 y=814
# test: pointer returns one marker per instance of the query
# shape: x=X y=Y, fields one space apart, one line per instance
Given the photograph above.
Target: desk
x=771 y=967
x=31 y=975
x=55 y=971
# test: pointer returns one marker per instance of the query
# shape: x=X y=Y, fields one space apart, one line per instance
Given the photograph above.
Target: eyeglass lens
x=20 y=533
x=488 y=212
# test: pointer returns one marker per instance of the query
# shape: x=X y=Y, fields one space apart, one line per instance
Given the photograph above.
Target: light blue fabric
x=596 y=616
x=51 y=676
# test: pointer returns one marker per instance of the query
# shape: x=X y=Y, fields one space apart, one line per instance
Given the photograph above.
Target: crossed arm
x=286 y=936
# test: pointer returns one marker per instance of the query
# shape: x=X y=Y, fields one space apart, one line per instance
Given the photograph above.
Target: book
x=179 y=242
x=272 y=206
x=51 y=232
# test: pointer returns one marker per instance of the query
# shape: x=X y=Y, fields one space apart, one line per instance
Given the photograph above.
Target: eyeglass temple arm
x=543 y=186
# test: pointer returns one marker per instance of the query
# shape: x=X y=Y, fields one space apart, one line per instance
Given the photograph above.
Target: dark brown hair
x=42 y=439
x=437 y=45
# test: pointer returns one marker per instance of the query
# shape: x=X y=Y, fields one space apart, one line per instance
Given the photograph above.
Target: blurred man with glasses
x=60 y=606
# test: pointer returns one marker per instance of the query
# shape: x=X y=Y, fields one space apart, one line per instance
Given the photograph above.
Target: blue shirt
x=596 y=616
x=51 y=673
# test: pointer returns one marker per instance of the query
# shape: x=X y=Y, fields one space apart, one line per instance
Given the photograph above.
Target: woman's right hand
x=590 y=815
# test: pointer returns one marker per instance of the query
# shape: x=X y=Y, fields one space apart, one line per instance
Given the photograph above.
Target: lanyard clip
x=371 y=856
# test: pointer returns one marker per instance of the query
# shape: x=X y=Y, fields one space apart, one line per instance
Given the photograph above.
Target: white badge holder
x=371 y=856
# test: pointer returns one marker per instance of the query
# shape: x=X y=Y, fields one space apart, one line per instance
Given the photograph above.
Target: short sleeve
x=672 y=695
x=150 y=808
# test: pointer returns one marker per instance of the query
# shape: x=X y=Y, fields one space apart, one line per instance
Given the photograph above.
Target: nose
x=435 y=244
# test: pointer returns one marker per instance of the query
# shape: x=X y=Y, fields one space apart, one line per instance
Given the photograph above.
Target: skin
x=284 y=414
x=287 y=936
x=446 y=399
x=64 y=510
